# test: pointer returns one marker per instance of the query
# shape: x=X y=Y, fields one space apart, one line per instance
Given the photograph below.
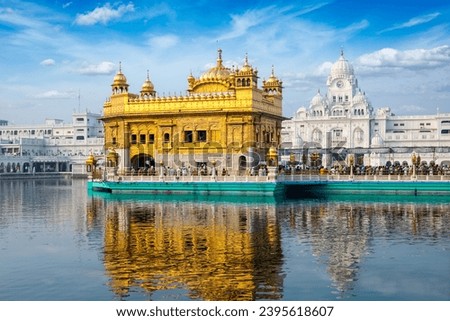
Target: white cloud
x=14 y=17
x=55 y=94
x=355 y=27
x=48 y=62
x=103 y=68
x=324 y=69
x=414 y=22
x=68 y=4
x=163 y=42
x=408 y=59
x=312 y=7
x=103 y=14
x=240 y=24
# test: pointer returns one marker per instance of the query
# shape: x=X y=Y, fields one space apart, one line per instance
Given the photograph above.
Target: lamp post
x=351 y=160
x=413 y=161
x=161 y=167
x=213 y=171
x=314 y=159
x=292 y=162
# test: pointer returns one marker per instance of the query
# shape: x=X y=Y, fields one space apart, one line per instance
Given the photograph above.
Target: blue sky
x=58 y=56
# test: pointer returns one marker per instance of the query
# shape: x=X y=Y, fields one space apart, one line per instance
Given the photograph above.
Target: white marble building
x=342 y=122
x=52 y=146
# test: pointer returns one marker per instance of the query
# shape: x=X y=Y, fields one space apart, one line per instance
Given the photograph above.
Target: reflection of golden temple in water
x=213 y=251
x=225 y=251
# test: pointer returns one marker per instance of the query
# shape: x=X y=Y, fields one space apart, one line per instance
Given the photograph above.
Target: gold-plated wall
x=223 y=117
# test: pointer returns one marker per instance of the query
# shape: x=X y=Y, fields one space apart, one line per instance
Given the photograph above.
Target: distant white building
x=52 y=146
x=342 y=122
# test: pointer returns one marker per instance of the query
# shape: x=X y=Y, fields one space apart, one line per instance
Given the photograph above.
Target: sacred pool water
x=59 y=242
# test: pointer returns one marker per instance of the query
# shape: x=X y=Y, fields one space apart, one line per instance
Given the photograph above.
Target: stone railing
x=193 y=178
x=388 y=177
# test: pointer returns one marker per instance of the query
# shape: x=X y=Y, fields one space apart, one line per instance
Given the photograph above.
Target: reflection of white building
x=53 y=146
x=342 y=122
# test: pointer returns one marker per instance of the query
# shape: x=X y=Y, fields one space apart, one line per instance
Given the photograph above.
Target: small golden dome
x=273 y=80
x=147 y=86
x=246 y=67
x=91 y=160
x=119 y=78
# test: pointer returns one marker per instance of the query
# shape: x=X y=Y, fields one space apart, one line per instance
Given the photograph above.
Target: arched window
x=317 y=135
x=166 y=137
x=358 y=135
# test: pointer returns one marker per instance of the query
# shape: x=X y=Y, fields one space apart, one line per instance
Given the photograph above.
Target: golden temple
x=223 y=121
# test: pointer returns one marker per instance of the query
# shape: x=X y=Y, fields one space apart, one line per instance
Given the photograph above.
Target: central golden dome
x=219 y=72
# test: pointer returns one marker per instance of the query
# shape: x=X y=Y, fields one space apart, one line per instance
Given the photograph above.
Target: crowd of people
x=390 y=168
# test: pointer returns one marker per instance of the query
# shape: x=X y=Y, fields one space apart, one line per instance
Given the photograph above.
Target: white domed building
x=343 y=122
x=333 y=121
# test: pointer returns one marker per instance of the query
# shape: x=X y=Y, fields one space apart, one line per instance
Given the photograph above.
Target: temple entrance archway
x=143 y=161
x=242 y=162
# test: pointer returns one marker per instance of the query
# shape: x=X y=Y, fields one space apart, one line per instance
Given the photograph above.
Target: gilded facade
x=224 y=120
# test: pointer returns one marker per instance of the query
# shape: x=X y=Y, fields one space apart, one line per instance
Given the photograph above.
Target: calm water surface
x=57 y=242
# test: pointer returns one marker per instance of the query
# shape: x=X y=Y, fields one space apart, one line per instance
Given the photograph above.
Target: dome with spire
x=317 y=100
x=359 y=98
x=119 y=84
x=219 y=72
x=273 y=81
x=147 y=86
x=147 y=90
x=273 y=86
x=191 y=78
x=246 y=68
x=341 y=68
x=119 y=78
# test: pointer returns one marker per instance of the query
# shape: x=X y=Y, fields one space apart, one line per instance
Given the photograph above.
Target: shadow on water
x=186 y=197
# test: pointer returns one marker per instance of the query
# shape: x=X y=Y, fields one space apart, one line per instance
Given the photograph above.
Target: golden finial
x=219 y=58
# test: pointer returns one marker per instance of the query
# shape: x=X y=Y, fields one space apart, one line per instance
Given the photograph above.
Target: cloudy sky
x=60 y=56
